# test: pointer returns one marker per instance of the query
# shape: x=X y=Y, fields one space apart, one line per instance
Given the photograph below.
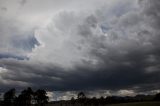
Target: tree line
x=83 y=100
x=26 y=98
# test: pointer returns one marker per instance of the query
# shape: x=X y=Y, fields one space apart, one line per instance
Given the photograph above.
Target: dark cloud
x=125 y=49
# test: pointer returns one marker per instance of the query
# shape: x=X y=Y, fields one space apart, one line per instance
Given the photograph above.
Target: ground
x=137 y=104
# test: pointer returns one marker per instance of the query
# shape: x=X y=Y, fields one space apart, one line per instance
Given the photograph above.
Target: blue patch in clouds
x=18 y=57
x=25 y=43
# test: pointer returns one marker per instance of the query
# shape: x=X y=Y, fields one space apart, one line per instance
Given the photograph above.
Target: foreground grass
x=137 y=104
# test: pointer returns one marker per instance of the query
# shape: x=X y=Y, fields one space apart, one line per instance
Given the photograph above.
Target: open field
x=137 y=104
x=121 y=104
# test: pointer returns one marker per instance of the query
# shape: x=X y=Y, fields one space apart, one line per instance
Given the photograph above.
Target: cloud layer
x=113 y=46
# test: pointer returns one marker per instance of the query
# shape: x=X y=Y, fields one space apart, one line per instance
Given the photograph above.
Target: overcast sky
x=72 y=45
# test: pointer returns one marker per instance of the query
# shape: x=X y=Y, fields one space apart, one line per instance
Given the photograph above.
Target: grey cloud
x=59 y=79
x=124 y=56
x=122 y=59
x=15 y=42
x=12 y=56
x=23 y=2
x=3 y=8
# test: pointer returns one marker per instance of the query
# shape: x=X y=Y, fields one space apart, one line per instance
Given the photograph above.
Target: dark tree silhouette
x=81 y=98
x=41 y=97
x=157 y=97
x=95 y=101
x=102 y=100
x=72 y=101
x=25 y=98
x=9 y=97
x=81 y=95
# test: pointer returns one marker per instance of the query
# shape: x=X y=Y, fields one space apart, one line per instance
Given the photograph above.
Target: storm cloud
x=114 y=46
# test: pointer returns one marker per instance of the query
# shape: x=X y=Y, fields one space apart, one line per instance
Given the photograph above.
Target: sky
x=104 y=47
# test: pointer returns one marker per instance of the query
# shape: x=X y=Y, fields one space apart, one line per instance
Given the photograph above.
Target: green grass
x=137 y=104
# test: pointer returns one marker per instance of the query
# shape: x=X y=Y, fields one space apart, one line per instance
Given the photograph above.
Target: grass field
x=121 y=104
x=137 y=104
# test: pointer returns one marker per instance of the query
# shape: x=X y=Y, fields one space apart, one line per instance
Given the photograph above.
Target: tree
x=72 y=101
x=157 y=97
x=9 y=97
x=81 y=98
x=26 y=97
x=41 y=97
x=102 y=100
x=81 y=95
